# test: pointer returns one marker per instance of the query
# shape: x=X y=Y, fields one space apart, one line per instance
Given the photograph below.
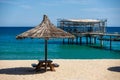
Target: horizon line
x=35 y=26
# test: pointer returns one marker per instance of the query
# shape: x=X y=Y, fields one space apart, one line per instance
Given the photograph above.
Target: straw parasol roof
x=45 y=30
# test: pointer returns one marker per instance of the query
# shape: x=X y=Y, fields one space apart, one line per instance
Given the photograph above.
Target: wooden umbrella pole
x=45 y=54
x=45 y=30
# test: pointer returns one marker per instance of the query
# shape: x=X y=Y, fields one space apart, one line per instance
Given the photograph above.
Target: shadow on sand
x=115 y=69
x=20 y=71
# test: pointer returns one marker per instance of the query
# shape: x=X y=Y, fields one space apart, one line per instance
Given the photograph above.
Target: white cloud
x=25 y=6
x=49 y=4
x=8 y=2
x=65 y=2
x=100 y=9
x=82 y=2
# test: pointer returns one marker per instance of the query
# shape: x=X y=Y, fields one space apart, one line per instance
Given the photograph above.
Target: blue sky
x=30 y=12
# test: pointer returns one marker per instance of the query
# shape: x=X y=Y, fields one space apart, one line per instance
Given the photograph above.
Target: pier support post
x=86 y=39
x=94 y=40
x=110 y=43
x=90 y=40
x=101 y=41
x=68 y=40
x=72 y=41
x=63 y=41
x=76 y=39
x=80 y=40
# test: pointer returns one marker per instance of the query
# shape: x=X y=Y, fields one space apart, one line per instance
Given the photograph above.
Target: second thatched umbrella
x=45 y=30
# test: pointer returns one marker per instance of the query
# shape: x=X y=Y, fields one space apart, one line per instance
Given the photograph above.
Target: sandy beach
x=104 y=69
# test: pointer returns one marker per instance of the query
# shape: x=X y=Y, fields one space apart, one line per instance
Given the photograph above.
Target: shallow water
x=10 y=48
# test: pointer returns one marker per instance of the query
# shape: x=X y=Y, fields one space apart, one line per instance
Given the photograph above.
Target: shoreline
x=52 y=59
x=75 y=69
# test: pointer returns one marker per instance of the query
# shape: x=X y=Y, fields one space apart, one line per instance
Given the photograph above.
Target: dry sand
x=68 y=70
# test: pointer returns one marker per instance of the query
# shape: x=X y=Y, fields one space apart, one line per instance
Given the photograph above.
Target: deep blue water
x=10 y=48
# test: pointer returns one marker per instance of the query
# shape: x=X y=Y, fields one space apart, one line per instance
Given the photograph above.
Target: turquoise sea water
x=10 y=48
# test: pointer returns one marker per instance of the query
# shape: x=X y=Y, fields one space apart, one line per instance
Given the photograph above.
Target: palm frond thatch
x=45 y=30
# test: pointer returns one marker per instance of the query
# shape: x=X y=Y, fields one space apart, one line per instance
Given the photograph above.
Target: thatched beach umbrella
x=45 y=30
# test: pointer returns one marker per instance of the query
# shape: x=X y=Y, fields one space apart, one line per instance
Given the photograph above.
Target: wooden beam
x=110 y=43
x=86 y=39
x=76 y=39
x=101 y=41
x=63 y=41
x=90 y=40
x=94 y=40
x=46 y=54
x=80 y=40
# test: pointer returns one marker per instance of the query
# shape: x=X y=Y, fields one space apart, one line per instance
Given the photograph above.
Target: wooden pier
x=91 y=29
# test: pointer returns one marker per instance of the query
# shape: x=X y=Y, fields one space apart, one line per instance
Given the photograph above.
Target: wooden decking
x=96 y=33
x=91 y=29
x=92 y=36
